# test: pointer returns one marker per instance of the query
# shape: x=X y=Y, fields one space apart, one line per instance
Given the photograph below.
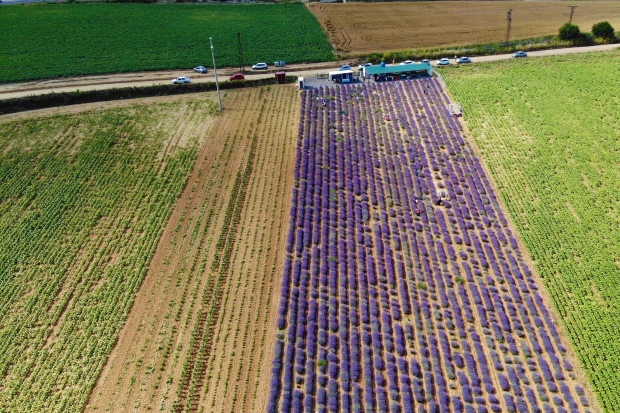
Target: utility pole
x=572 y=11
x=508 y=25
x=217 y=85
x=241 y=65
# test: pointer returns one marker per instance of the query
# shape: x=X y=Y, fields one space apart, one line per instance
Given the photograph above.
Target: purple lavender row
x=389 y=301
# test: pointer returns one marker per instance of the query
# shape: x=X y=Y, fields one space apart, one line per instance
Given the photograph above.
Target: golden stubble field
x=381 y=27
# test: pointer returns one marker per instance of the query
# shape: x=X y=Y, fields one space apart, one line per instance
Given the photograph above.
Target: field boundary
x=525 y=253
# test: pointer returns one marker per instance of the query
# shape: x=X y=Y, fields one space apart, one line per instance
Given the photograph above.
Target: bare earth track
x=200 y=334
x=382 y=27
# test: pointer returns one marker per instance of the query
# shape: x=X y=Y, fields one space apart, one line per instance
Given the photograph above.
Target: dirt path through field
x=200 y=333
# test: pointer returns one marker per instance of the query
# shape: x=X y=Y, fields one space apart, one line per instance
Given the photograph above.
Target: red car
x=237 y=76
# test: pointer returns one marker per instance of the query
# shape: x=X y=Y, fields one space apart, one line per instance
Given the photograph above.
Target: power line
x=217 y=84
x=241 y=65
x=572 y=11
x=508 y=24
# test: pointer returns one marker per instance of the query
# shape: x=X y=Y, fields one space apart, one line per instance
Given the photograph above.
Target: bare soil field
x=382 y=27
x=200 y=334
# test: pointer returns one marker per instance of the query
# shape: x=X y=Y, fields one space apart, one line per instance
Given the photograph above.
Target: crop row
x=404 y=288
x=84 y=198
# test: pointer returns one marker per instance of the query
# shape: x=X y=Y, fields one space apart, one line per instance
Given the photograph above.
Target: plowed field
x=201 y=331
x=381 y=27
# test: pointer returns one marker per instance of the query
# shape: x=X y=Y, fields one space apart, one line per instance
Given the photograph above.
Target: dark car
x=237 y=76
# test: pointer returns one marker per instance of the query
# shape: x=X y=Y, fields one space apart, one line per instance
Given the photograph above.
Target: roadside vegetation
x=602 y=32
x=55 y=40
x=568 y=35
x=529 y=45
x=50 y=100
x=548 y=132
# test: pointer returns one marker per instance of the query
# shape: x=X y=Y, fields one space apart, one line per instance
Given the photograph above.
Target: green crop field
x=52 y=40
x=83 y=201
x=549 y=131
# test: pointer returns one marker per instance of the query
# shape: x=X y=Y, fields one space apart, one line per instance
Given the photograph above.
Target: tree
x=570 y=32
x=603 y=30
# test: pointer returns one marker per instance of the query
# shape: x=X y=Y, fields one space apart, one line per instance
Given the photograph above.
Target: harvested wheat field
x=200 y=334
x=381 y=27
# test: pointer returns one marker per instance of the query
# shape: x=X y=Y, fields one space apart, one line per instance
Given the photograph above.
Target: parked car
x=200 y=69
x=443 y=62
x=520 y=53
x=426 y=61
x=181 y=79
x=237 y=76
x=463 y=59
x=344 y=67
x=363 y=65
x=407 y=62
x=259 y=66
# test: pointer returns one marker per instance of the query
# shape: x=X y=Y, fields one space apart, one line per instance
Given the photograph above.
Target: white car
x=407 y=62
x=443 y=62
x=200 y=69
x=426 y=61
x=363 y=65
x=463 y=59
x=344 y=67
x=259 y=66
x=520 y=53
x=181 y=79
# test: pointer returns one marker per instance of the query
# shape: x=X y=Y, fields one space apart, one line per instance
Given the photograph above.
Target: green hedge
x=51 y=100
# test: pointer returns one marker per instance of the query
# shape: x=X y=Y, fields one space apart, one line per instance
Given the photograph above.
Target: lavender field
x=393 y=301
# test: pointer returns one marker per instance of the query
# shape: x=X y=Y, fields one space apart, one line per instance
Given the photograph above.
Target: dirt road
x=13 y=90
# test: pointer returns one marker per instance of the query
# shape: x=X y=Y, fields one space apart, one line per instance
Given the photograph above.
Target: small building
x=341 y=76
x=280 y=77
x=396 y=71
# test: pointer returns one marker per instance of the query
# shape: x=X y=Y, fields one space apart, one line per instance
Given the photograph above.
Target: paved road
x=71 y=84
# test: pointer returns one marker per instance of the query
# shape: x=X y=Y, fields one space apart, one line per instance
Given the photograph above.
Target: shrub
x=570 y=32
x=50 y=100
x=585 y=39
x=603 y=30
